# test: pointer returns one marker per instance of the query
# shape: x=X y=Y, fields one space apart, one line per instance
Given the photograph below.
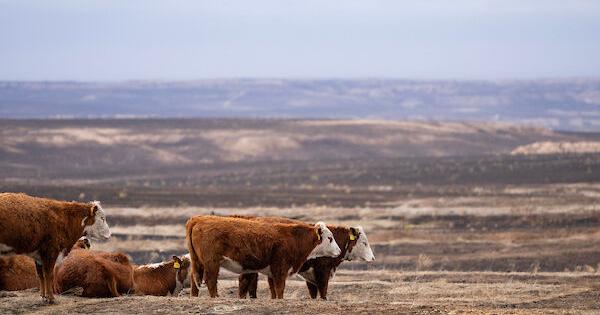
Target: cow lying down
x=248 y=246
x=162 y=279
x=17 y=272
x=99 y=274
x=317 y=271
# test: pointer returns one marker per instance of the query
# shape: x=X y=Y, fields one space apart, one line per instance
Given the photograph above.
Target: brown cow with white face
x=100 y=274
x=317 y=271
x=245 y=246
x=17 y=272
x=44 y=229
x=162 y=279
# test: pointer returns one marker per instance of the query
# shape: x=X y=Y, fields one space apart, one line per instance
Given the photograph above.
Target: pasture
x=480 y=233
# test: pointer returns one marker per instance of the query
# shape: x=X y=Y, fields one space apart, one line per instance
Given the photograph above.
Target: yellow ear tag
x=176 y=265
x=352 y=237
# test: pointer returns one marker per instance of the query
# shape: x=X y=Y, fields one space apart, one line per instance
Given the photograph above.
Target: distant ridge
x=566 y=104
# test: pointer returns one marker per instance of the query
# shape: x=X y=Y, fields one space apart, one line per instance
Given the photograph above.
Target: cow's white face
x=328 y=247
x=100 y=229
x=362 y=250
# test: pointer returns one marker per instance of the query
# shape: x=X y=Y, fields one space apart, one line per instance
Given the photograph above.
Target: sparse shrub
x=423 y=262
x=589 y=269
x=535 y=268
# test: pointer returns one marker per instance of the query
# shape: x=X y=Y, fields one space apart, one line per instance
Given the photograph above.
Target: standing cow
x=45 y=229
x=317 y=271
x=245 y=246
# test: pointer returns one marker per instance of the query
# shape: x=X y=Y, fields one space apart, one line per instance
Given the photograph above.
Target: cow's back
x=17 y=272
x=93 y=271
x=239 y=239
x=26 y=221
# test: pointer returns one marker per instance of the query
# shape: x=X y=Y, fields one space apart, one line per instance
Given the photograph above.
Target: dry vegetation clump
x=423 y=262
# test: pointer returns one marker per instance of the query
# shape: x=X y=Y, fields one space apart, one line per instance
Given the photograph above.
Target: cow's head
x=182 y=267
x=326 y=245
x=361 y=250
x=94 y=224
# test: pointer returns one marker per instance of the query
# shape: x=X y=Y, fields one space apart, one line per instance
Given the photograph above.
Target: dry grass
x=383 y=292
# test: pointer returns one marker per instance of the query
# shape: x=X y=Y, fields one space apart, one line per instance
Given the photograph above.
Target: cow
x=17 y=272
x=316 y=271
x=99 y=274
x=246 y=246
x=45 y=229
x=162 y=279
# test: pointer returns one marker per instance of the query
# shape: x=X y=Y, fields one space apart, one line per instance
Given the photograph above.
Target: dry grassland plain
x=482 y=232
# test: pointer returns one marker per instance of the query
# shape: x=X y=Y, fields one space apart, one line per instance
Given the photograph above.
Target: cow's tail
x=197 y=269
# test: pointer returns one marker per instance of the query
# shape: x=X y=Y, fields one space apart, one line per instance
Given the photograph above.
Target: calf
x=162 y=279
x=99 y=274
x=17 y=272
x=317 y=271
x=247 y=246
x=44 y=229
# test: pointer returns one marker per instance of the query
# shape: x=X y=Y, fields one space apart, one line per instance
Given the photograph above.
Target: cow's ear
x=176 y=262
x=353 y=234
x=93 y=210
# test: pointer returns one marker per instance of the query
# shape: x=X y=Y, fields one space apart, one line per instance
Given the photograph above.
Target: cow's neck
x=342 y=238
x=304 y=246
x=73 y=228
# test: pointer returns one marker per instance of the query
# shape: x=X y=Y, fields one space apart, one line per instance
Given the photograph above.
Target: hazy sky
x=458 y=39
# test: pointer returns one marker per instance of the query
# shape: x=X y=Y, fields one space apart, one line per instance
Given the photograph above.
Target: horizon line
x=316 y=79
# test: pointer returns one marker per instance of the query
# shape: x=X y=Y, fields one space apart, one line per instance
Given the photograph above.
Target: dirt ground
x=368 y=292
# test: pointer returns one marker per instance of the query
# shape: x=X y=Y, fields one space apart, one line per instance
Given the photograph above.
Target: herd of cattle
x=44 y=243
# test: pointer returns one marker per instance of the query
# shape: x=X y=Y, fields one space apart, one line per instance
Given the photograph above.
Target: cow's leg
x=312 y=289
x=211 y=273
x=112 y=287
x=323 y=284
x=279 y=282
x=40 y=274
x=253 y=285
x=279 y=273
x=48 y=271
x=243 y=283
x=272 y=288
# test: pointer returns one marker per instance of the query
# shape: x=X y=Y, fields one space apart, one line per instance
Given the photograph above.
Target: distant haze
x=181 y=40
x=557 y=104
